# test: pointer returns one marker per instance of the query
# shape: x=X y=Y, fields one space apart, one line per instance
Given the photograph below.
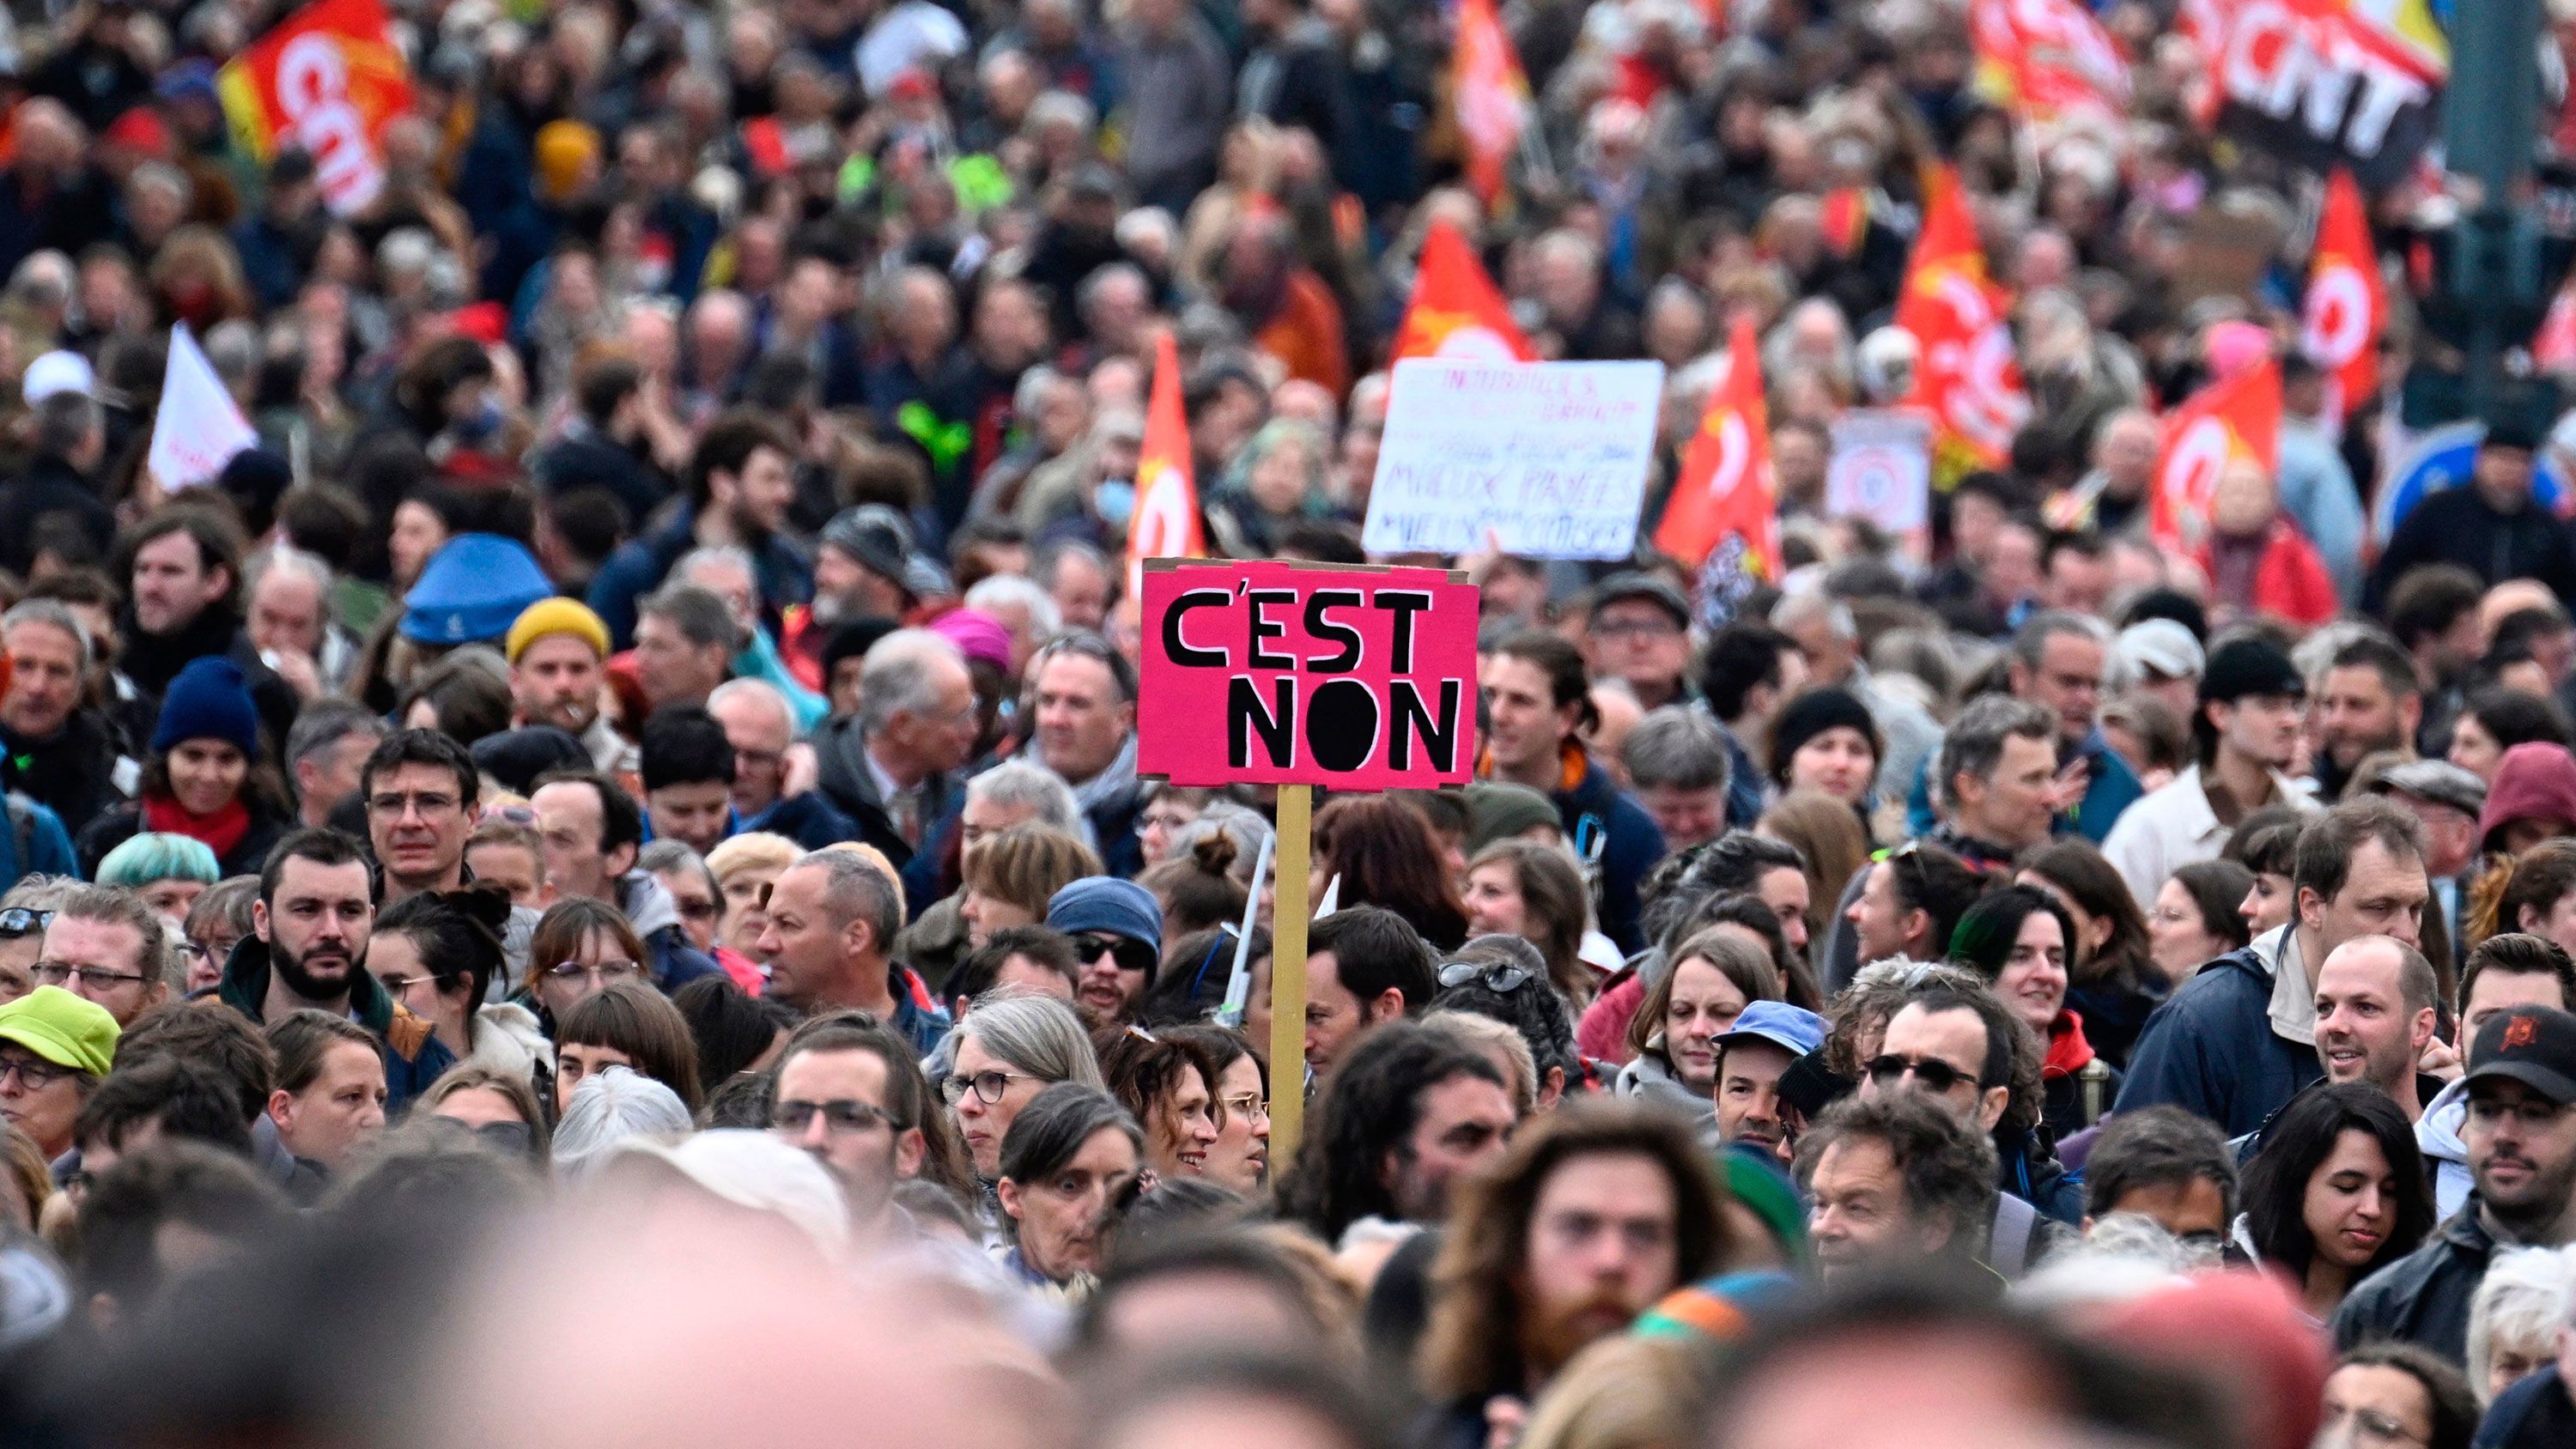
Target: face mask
x=483 y=422
x=1116 y=500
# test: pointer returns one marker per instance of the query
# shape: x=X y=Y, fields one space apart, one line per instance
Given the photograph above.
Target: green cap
x=64 y=1029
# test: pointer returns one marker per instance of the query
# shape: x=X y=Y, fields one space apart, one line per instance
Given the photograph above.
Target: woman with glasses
x=1071 y=1165
x=1007 y=1051
x=2337 y=1192
x=204 y=777
x=627 y=1024
x=580 y=946
x=1715 y=975
x=437 y=955
x=169 y=871
x=498 y=1107
x=1168 y=810
x=2397 y=1396
x=1240 y=1160
x=1170 y=1088
x=220 y=918
x=1525 y=889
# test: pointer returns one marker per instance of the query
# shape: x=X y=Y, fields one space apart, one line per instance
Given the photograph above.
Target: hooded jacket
x=1649 y=1076
x=2437 y=1132
x=2534 y=781
x=656 y=919
x=414 y=1056
x=2423 y=1298
x=2211 y=1048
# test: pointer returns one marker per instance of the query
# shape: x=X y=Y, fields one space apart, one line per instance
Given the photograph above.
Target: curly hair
x=1144 y=1069
x=1949 y=1167
x=1532 y=1009
x=1369 y=1108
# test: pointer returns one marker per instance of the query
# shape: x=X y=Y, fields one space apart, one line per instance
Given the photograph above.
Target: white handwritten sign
x=1548 y=459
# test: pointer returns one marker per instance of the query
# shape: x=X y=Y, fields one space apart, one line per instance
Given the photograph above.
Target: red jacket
x=2291 y=584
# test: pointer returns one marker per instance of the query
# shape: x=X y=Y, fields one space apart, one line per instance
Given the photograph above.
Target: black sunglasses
x=1500 y=980
x=1132 y=955
x=1936 y=1075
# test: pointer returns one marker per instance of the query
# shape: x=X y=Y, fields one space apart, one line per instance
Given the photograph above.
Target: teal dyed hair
x=155 y=855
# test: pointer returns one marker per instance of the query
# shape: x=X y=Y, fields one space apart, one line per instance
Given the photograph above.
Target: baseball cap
x=2438 y=781
x=2244 y=667
x=759 y=1171
x=2533 y=1045
x=1793 y=1029
x=55 y=372
x=67 y=1030
x=2163 y=648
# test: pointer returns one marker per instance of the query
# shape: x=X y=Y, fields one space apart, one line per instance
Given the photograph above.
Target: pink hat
x=2232 y=347
x=977 y=635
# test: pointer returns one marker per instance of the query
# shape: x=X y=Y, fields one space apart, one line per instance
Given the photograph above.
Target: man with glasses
x=1956 y=1043
x=54 y=1049
x=849 y=1093
x=891 y=767
x=760 y=725
x=1639 y=631
x=1116 y=927
x=104 y=945
x=421 y=788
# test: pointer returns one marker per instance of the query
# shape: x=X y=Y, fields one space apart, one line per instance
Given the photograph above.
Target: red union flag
x=2344 y=310
x=1456 y=311
x=2047 y=59
x=1968 y=379
x=325 y=81
x=1166 y=524
x=1725 y=490
x=2236 y=419
x=1490 y=93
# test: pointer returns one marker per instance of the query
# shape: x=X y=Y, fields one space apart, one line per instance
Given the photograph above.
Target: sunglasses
x=1090 y=946
x=1500 y=980
x=1936 y=1075
x=18 y=921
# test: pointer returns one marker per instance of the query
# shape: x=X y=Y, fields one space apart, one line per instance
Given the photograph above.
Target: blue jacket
x=2210 y=1049
x=49 y=845
x=807 y=819
x=2536 y=1413
x=2114 y=787
x=636 y=569
x=1634 y=844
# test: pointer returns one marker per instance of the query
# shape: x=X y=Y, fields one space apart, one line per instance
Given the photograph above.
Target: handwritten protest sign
x=1545 y=459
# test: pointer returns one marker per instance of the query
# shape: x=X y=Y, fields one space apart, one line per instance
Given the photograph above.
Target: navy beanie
x=209 y=700
x=1107 y=904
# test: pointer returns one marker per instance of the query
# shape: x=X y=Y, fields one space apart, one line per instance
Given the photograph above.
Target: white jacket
x=2438 y=1133
x=2173 y=827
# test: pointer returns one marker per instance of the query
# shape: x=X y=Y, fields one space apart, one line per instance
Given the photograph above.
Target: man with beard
x=2369 y=701
x=557 y=650
x=741 y=481
x=1894 y=1178
x=316 y=908
x=849 y=1093
x=1406 y=1117
x=183 y=568
x=2521 y=1137
x=1588 y=1219
x=861 y=571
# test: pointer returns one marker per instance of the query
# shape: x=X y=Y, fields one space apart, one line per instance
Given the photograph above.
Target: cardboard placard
x=1269 y=673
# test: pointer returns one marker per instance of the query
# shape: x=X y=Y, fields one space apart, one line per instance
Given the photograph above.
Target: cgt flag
x=1166 y=524
x=2345 y=308
x=2236 y=419
x=1490 y=93
x=2048 y=60
x=1456 y=310
x=1725 y=492
x=325 y=80
x=1968 y=379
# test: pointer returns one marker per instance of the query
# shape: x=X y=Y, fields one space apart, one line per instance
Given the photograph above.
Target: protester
x=2337 y=1193
x=1069 y=1166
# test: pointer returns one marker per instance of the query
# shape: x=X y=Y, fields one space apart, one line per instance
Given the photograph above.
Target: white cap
x=2163 y=646
x=58 y=372
x=759 y=1171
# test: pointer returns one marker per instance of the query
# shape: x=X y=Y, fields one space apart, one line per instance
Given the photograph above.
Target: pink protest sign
x=1269 y=673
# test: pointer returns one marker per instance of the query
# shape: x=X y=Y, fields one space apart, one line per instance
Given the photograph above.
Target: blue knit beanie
x=473 y=589
x=1104 y=903
x=209 y=700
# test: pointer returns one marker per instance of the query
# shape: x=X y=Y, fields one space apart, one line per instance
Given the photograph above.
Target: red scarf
x=2068 y=1051
x=221 y=831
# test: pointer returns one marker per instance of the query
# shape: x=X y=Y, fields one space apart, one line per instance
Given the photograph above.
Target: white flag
x=199 y=427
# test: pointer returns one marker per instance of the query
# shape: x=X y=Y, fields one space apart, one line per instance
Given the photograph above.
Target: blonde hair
x=756 y=850
x=1483 y=1033
x=1623 y=1392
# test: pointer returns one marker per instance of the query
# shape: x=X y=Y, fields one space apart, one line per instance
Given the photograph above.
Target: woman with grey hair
x=1008 y=1049
x=610 y=1108
x=2519 y=1310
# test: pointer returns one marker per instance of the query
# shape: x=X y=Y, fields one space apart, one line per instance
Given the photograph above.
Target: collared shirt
x=903 y=803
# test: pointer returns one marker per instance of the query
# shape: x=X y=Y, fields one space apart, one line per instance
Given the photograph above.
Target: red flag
x=2047 y=60
x=1725 y=490
x=1490 y=94
x=1456 y=309
x=1166 y=524
x=326 y=80
x=2234 y=419
x=2345 y=308
x=1967 y=379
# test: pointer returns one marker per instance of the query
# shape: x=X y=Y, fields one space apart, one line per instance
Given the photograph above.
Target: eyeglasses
x=427 y=802
x=32 y=1075
x=1936 y=1075
x=839 y=1117
x=96 y=978
x=18 y=921
x=1090 y=946
x=987 y=1086
x=1500 y=980
x=1657 y=627
x=606 y=973
x=398 y=985
x=1247 y=1104
x=700 y=910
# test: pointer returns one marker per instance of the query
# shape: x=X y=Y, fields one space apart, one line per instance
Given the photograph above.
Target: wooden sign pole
x=1288 y=977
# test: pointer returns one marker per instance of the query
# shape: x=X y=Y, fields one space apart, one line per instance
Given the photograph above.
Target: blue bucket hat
x=1103 y=903
x=209 y=700
x=472 y=590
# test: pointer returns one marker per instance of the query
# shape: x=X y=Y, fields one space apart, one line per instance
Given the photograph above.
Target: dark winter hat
x=1813 y=713
x=1114 y=907
x=875 y=535
x=473 y=589
x=209 y=700
x=2245 y=667
x=516 y=758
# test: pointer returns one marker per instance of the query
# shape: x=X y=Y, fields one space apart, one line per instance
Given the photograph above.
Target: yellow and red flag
x=1491 y=95
x=1166 y=523
x=2047 y=60
x=1726 y=489
x=325 y=80
x=1967 y=379
x=2236 y=419
x=2345 y=308
x=1456 y=310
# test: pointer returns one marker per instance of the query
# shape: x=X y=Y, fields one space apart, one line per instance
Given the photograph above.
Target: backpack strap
x=2008 y=1250
x=22 y=829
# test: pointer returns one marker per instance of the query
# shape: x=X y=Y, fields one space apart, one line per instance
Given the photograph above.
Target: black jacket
x=2457 y=526
x=74 y=772
x=50 y=487
x=2423 y=1298
x=151 y=661
x=2536 y=1413
x=589 y=460
x=123 y=822
x=842 y=777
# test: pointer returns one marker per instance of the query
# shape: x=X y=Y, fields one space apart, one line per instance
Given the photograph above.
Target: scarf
x=221 y=831
x=2068 y=1051
x=1114 y=779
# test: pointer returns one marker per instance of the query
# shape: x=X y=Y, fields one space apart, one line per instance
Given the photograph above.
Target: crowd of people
x=595 y=883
